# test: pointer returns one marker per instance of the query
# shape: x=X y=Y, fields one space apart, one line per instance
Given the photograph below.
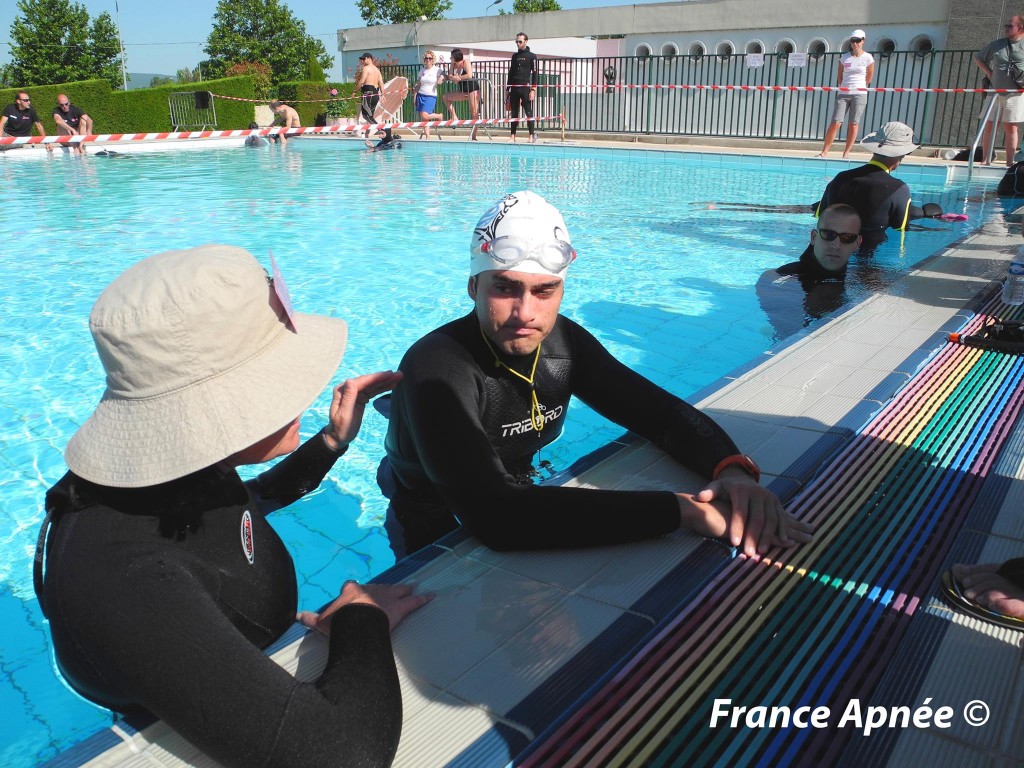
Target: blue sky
x=161 y=37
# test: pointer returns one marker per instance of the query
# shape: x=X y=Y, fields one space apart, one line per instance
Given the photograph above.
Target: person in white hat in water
x=482 y=395
x=163 y=578
x=856 y=70
x=881 y=200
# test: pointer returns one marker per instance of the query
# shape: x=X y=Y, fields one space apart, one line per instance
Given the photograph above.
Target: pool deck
x=612 y=656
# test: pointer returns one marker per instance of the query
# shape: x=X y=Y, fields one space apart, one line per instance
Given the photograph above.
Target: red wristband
x=740 y=460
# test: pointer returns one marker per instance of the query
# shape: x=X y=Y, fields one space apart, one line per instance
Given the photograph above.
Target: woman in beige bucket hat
x=163 y=578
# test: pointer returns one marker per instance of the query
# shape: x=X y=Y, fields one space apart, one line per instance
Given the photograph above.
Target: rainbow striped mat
x=821 y=627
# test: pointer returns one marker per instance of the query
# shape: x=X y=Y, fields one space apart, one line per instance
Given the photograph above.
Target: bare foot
x=512 y=140
x=982 y=584
x=822 y=154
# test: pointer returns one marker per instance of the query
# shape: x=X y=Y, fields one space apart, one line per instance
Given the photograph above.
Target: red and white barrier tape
x=689 y=87
x=290 y=132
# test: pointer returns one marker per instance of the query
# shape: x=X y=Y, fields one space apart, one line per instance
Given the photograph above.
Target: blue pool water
x=664 y=278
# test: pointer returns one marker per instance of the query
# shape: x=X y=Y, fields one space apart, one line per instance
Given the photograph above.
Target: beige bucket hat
x=201 y=362
x=891 y=140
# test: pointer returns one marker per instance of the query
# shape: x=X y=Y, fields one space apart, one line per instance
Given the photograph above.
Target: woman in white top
x=426 y=91
x=856 y=70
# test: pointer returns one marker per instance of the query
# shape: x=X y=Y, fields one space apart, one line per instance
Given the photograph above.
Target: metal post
x=120 y=42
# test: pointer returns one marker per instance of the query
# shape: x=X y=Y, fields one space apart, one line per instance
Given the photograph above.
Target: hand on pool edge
x=396 y=600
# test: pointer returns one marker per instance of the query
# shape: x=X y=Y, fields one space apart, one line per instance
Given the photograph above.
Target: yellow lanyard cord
x=536 y=417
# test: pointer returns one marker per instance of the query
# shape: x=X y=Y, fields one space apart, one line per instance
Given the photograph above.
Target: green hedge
x=310 y=98
x=141 y=111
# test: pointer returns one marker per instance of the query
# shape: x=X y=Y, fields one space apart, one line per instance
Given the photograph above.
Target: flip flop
x=953 y=595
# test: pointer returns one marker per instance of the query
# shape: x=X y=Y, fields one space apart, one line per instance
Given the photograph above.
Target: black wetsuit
x=19 y=121
x=155 y=605
x=797 y=293
x=522 y=78
x=881 y=200
x=460 y=442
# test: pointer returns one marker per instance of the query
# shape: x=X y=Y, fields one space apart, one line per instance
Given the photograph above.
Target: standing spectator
x=1002 y=61
x=856 y=70
x=426 y=91
x=468 y=90
x=289 y=119
x=522 y=84
x=370 y=84
x=18 y=118
x=71 y=121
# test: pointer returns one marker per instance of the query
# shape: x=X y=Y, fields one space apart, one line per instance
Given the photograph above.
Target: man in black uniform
x=18 y=118
x=522 y=84
x=881 y=200
x=481 y=395
x=797 y=293
x=71 y=121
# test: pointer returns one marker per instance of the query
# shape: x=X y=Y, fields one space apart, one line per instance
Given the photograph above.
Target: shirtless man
x=370 y=84
x=289 y=119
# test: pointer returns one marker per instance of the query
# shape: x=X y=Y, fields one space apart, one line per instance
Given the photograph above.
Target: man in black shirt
x=522 y=84
x=71 y=121
x=18 y=118
x=483 y=394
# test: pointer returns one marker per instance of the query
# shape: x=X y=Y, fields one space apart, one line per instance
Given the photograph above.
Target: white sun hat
x=522 y=232
x=201 y=362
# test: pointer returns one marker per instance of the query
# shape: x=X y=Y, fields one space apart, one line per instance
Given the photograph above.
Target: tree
x=265 y=32
x=53 y=41
x=314 y=72
x=160 y=80
x=533 y=6
x=377 y=12
x=186 y=75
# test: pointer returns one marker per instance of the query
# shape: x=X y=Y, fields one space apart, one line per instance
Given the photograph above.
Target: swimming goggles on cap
x=553 y=255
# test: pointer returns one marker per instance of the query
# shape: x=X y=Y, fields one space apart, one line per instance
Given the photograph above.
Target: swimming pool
x=665 y=280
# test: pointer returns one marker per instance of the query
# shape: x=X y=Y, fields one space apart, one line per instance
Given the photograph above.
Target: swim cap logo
x=247 y=543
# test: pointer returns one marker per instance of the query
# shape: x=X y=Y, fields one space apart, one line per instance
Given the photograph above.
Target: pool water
x=665 y=279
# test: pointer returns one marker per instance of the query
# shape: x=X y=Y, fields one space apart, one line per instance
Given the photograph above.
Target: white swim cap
x=521 y=232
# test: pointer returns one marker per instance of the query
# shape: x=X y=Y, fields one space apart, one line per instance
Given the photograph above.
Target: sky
x=163 y=37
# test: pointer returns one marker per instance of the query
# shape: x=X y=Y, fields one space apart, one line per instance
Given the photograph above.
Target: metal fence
x=596 y=95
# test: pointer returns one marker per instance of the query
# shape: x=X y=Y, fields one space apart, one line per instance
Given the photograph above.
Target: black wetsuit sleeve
x=534 y=71
x=625 y=397
x=900 y=208
x=294 y=476
x=176 y=654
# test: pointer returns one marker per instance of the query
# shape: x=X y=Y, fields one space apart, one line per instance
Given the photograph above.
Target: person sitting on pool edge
x=164 y=578
x=482 y=394
x=797 y=293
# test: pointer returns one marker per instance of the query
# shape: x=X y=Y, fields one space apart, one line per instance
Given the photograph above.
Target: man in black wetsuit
x=522 y=84
x=18 y=118
x=880 y=199
x=797 y=293
x=481 y=395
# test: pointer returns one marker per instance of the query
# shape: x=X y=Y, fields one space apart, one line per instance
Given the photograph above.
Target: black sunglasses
x=856 y=39
x=844 y=237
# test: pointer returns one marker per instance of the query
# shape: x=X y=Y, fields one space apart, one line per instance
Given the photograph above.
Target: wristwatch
x=740 y=460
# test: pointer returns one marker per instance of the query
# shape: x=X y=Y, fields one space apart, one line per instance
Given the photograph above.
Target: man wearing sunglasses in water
x=484 y=393
x=881 y=199
x=802 y=291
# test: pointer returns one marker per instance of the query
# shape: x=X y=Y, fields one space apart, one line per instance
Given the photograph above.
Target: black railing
x=628 y=94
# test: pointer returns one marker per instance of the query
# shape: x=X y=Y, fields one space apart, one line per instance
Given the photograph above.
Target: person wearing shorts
x=856 y=70
x=999 y=60
x=370 y=84
x=468 y=88
x=426 y=91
